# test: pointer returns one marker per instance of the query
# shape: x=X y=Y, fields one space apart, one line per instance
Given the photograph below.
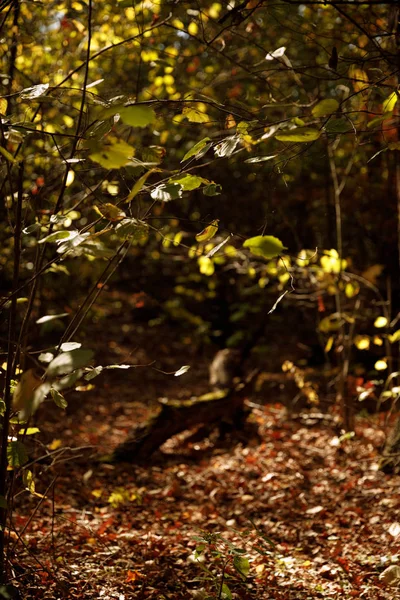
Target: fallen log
x=223 y=408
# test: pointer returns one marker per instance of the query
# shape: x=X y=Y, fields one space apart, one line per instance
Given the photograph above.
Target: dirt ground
x=297 y=511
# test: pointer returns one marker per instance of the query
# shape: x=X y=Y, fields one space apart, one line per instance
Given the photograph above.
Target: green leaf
x=137 y=116
x=16 y=454
x=58 y=398
x=29 y=431
x=114 y=156
x=266 y=246
x=165 y=192
x=188 y=182
x=66 y=362
x=197 y=149
x=93 y=373
x=338 y=126
x=390 y=102
x=7 y=155
x=300 y=135
x=226 y=592
x=137 y=230
x=28 y=481
x=378 y=120
x=242 y=565
x=212 y=189
x=3 y=502
x=325 y=107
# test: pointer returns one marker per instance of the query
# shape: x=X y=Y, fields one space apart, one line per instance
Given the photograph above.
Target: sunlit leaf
x=381 y=365
x=390 y=102
x=198 y=149
x=48 y=318
x=359 y=77
x=325 y=107
x=165 y=192
x=28 y=481
x=195 y=116
x=67 y=346
x=227 y=146
x=29 y=431
x=66 y=362
x=380 y=322
x=182 y=371
x=58 y=236
x=114 y=156
x=362 y=342
x=209 y=232
x=266 y=246
x=34 y=92
x=301 y=135
x=137 y=116
x=394 y=337
x=138 y=185
x=206 y=265
x=258 y=159
x=188 y=182
x=276 y=53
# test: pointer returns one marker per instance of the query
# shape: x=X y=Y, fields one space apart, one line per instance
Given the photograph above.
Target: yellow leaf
x=55 y=444
x=3 y=106
x=209 y=232
x=362 y=342
x=380 y=322
x=194 y=116
x=329 y=344
x=206 y=265
x=394 y=337
x=390 y=103
x=193 y=28
x=359 y=77
x=138 y=185
x=380 y=365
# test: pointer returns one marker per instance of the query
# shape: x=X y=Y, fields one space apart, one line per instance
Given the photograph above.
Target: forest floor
x=297 y=511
